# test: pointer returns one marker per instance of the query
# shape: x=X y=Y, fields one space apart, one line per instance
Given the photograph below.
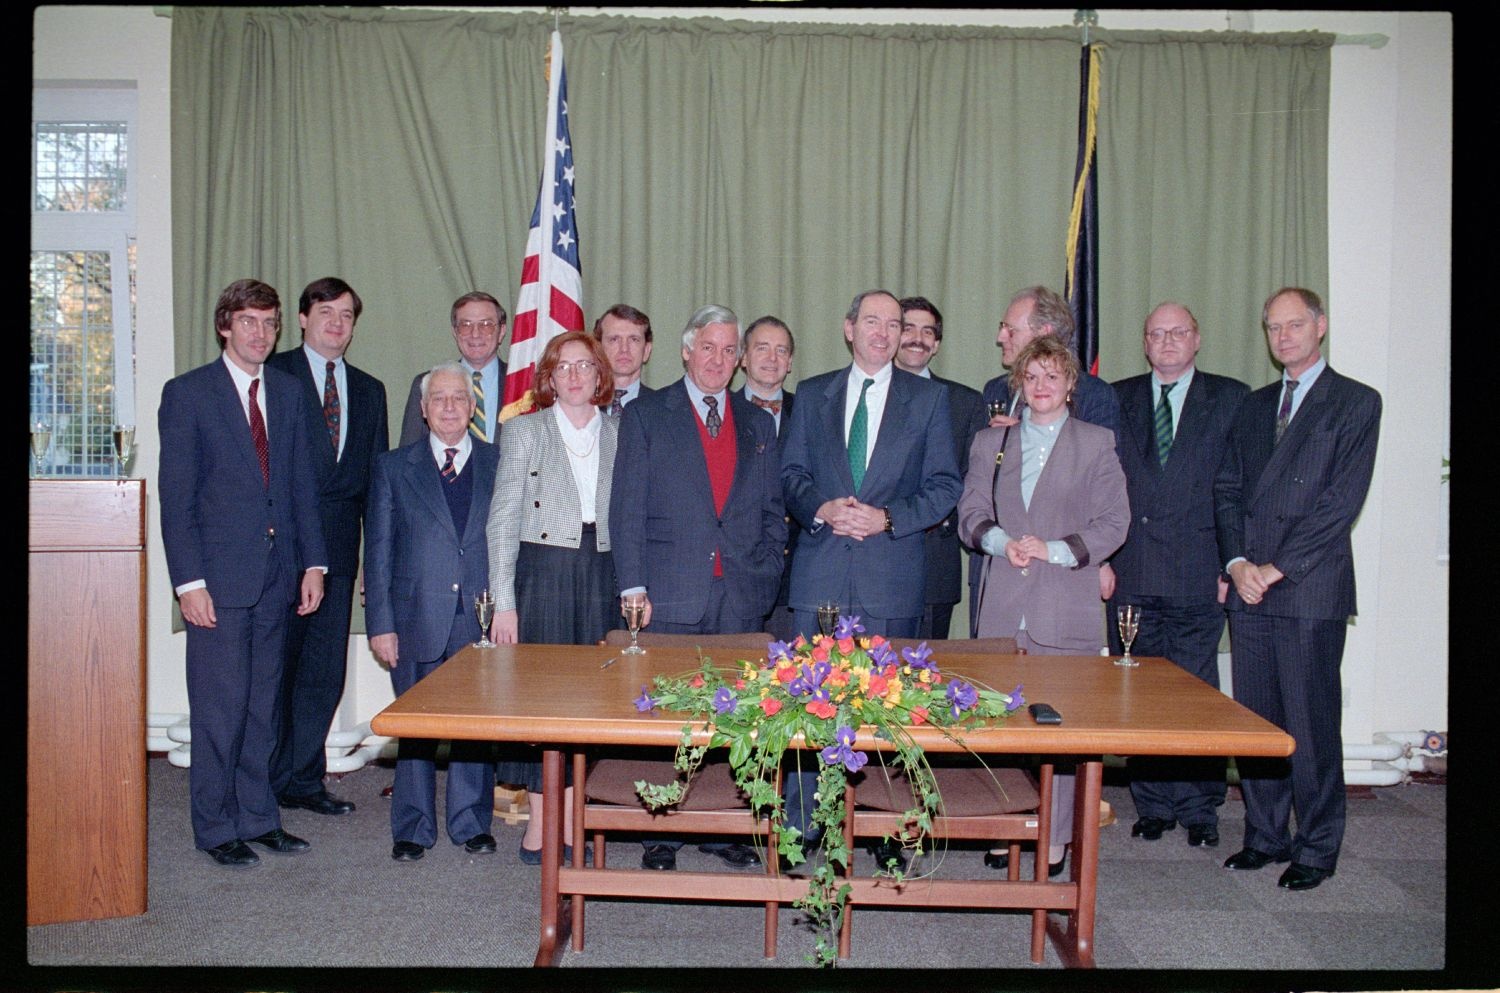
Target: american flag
x=551 y=300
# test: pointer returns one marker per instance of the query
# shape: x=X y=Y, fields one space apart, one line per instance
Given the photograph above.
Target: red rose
x=770 y=705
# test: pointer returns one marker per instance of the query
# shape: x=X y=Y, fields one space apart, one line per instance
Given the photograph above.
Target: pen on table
x=609 y=662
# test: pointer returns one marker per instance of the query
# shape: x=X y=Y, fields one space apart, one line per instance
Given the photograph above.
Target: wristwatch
x=889 y=527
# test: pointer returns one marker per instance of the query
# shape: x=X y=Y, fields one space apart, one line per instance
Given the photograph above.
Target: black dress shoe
x=1253 y=858
x=407 y=851
x=480 y=844
x=234 y=855
x=887 y=851
x=318 y=803
x=1001 y=861
x=736 y=856
x=661 y=857
x=281 y=843
x=1302 y=877
x=1151 y=828
x=1203 y=835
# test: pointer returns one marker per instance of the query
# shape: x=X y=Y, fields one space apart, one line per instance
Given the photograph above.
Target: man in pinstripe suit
x=1294 y=477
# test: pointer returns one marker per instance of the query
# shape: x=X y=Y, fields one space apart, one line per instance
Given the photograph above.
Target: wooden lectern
x=86 y=695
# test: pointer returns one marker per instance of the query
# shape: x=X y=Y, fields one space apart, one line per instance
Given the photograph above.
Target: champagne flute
x=995 y=408
x=484 y=611
x=124 y=435
x=41 y=440
x=828 y=617
x=1128 y=618
x=633 y=607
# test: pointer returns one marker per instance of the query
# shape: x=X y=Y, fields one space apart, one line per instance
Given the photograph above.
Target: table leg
x=1043 y=840
x=1076 y=944
x=555 y=919
x=580 y=768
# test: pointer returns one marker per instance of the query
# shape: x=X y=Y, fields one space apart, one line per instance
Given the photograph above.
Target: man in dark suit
x=695 y=514
x=1033 y=312
x=425 y=561
x=1174 y=424
x=1294 y=477
x=239 y=523
x=478 y=322
x=346 y=416
x=769 y=347
x=625 y=333
x=867 y=466
x=921 y=337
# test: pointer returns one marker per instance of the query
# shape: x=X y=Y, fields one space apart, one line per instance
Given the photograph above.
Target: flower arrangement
x=825 y=690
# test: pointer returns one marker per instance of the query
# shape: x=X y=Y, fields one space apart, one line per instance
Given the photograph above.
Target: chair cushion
x=712 y=788
x=966 y=791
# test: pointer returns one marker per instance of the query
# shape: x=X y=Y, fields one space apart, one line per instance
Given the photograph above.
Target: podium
x=86 y=696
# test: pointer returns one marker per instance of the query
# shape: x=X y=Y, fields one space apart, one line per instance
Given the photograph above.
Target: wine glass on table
x=1128 y=619
x=633 y=609
x=828 y=617
x=41 y=440
x=124 y=435
x=484 y=612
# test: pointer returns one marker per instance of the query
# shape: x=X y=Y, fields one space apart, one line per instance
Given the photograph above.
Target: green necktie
x=1164 y=424
x=859 y=431
x=476 y=423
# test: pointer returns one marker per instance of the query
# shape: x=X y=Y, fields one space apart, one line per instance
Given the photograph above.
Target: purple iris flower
x=821 y=695
x=1017 y=701
x=843 y=752
x=847 y=627
x=646 y=701
x=883 y=654
x=799 y=686
x=777 y=651
x=725 y=700
x=962 y=696
x=919 y=657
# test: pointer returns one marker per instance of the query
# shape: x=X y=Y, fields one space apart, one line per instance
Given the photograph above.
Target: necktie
x=774 y=406
x=617 y=408
x=1285 y=413
x=258 y=433
x=859 y=430
x=331 y=412
x=1164 y=424
x=713 y=422
x=449 y=472
x=476 y=423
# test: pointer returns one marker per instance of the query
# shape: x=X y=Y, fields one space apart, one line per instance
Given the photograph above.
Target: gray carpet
x=1161 y=905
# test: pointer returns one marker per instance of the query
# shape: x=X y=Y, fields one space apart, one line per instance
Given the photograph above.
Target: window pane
x=80 y=166
x=73 y=360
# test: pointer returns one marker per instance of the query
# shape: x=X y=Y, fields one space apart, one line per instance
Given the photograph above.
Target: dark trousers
x=1286 y=669
x=1185 y=630
x=936 y=620
x=233 y=681
x=312 y=684
x=471 y=773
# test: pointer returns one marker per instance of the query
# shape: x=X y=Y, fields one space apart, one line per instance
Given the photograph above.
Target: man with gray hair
x=695 y=511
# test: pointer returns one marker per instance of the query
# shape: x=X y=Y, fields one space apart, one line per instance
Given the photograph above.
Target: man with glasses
x=244 y=545
x=478 y=328
x=1174 y=426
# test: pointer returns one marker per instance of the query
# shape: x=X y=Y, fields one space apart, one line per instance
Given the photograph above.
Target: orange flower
x=877 y=686
x=820 y=652
x=919 y=715
x=697 y=681
x=739 y=684
x=838 y=677
x=877 y=640
x=846 y=645
x=786 y=673
x=770 y=705
x=822 y=708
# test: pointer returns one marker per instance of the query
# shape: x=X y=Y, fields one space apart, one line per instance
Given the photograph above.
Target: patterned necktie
x=617 y=408
x=774 y=406
x=859 y=430
x=331 y=410
x=449 y=471
x=1285 y=413
x=258 y=433
x=1164 y=424
x=476 y=423
x=713 y=422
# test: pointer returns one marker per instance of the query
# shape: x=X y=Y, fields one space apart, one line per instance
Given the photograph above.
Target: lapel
x=682 y=428
x=834 y=396
x=421 y=475
x=1195 y=408
x=1060 y=466
x=744 y=440
x=481 y=462
x=786 y=411
x=326 y=463
x=893 y=423
x=227 y=399
x=1140 y=418
x=1308 y=411
x=609 y=435
x=557 y=468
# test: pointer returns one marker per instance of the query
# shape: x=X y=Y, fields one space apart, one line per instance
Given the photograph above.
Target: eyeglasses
x=483 y=327
x=1157 y=335
x=248 y=324
x=583 y=367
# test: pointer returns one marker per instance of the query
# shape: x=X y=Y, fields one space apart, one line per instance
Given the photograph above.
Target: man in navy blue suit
x=1031 y=313
x=1174 y=424
x=769 y=347
x=426 y=559
x=625 y=333
x=1294 y=477
x=239 y=523
x=695 y=512
x=867 y=465
x=346 y=415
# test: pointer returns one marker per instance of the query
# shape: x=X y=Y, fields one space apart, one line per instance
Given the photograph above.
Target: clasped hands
x=1021 y=551
x=1251 y=581
x=851 y=519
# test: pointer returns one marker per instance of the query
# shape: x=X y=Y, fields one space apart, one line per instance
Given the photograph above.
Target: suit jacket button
x=1026 y=571
x=536 y=503
x=1145 y=519
x=455 y=587
x=544 y=536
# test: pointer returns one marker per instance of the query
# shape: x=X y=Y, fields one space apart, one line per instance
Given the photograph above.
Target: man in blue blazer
x=478 y=322
x=769 y=347
x=426 y=559
x=239 y=524
x=1174 y=425
x=346 y=416
x=1033 y=312
x=1294 y=477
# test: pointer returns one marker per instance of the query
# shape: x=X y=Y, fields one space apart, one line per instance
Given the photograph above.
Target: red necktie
x=332 y=413
x=774 y=406
x=258 y=434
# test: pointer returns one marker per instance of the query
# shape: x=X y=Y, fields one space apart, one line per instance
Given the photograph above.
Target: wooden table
x=559 y=698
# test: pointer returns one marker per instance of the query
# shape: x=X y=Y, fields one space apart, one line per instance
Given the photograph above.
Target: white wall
x=1390 y=210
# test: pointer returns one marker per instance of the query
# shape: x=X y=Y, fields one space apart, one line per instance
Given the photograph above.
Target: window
x=82 y=274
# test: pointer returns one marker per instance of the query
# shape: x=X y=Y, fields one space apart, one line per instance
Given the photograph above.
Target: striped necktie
x=476 y=423
x=1284 y=415
x=449 y=470
x=1164 y=424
